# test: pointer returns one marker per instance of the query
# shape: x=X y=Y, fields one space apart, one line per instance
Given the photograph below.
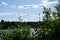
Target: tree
x=54 y=15
x=47 y=14
x=2 y=21
x=20 y=18
x=57 y=7
x=57 y=29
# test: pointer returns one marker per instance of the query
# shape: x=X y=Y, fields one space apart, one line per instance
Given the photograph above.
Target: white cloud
x=21 y=7
x=13 y=16
x=3 y=3
x=7 y=13
x=35 y=6
x=24 y=6
x=12 y=19
x=44 y=3
x=21 y=14
x=48 y=2
x=29 y=6
x=13 y=13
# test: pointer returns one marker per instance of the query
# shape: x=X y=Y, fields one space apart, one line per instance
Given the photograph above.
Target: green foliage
x=15 y=34
x=47 y=13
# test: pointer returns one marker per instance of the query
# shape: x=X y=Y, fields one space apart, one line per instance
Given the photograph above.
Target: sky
x=27 y=10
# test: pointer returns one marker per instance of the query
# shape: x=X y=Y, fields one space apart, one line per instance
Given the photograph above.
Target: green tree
x=20 y=19
x=57 y=7
x=47 y=12
x=57 y=27
x=54 y=15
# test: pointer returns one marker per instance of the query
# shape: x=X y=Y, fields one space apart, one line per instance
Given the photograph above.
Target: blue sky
x=10 y=10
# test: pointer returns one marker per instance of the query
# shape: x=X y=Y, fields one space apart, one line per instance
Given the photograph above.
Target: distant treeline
x=12 y=25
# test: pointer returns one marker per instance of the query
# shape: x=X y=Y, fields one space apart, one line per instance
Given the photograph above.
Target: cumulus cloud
x=35 y=6
x=44 y=3
x=3 y=3
x=48 y=2
x=28 y=6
